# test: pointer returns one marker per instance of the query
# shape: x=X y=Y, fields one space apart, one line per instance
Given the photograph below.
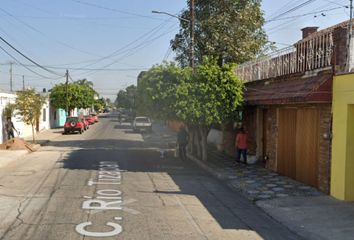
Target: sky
x=109 y=42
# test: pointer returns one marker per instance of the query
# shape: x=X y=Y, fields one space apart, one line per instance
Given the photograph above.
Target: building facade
x=288 y=104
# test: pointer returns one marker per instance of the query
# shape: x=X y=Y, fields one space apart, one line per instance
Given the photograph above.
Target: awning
x=290 y=89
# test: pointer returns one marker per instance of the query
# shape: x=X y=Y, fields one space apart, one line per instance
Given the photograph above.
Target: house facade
x=342 y=165
x=288 y=105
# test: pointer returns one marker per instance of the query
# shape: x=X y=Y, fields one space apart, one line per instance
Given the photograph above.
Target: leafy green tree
x=9 y=110
x=99 y=104
x=211 y=95
x=157 y=90
x=230 y=31
x=29 y=104
x=126 y=98
x=79 y=96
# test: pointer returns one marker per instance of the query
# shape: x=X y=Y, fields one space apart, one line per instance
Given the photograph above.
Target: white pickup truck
x=142 y=124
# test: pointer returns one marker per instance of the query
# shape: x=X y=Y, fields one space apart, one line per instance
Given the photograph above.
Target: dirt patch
x=17 y=144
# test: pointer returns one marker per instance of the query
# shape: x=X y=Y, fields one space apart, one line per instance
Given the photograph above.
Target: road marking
x=107 y=199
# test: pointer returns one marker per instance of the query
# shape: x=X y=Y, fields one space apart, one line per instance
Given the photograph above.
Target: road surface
x=112 y=183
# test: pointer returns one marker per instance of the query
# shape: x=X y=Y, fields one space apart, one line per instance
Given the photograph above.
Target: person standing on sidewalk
x=10 y=129
x=182 y=141
x=241 y=145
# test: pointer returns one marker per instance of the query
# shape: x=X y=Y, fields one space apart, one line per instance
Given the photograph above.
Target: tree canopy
x=228 y=30
x=210 y=95
x=29 y=105
x=79 y=95
x=126 y=98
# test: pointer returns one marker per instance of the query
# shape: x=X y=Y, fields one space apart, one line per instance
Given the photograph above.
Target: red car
x=73 y=124
x=86 y=123
x=95 y=117
x=90 y=119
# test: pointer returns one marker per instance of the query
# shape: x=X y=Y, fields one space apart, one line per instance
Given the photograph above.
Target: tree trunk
x=198 y=143
x=33 y=137
x=191 y=148
x=203 y=142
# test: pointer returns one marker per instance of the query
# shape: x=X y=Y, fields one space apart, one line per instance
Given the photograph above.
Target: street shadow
x=225 y=206
x=121 y=126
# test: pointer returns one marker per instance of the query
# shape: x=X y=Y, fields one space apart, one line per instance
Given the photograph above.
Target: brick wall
x=324 y=160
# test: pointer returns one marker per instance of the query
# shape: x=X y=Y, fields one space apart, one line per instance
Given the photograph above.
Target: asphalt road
x=111 y=183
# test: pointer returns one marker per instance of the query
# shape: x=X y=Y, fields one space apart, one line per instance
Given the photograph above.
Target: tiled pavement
x=254 y=181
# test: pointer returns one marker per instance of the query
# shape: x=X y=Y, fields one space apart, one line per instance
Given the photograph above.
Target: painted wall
x=5 y=98
x=342 y=167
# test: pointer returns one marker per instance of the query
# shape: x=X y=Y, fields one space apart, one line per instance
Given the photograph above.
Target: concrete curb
x=207 y=168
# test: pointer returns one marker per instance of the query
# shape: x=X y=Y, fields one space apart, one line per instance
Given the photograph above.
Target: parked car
x=86 y=123
x=73 y=124
x=142 y=124
x=94 y=116
x=90 y=119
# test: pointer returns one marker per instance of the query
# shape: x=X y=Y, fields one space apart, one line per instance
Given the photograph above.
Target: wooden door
x=307 y=146
x=286 y=154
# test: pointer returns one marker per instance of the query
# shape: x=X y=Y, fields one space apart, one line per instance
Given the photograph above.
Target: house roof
x=290 y=89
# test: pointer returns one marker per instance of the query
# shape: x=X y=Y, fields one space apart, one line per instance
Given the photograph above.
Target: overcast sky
x=110 y=41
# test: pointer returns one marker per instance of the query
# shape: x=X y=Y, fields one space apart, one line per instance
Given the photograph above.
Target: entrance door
x=286 y=158
x=307 y=146
x=297 y=150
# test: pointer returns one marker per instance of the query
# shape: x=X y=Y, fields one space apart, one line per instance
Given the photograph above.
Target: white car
x=142 y=124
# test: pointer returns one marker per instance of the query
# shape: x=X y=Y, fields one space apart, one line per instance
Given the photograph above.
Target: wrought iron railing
x=308 y=54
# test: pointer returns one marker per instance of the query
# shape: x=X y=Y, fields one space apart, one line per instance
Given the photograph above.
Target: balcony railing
x=307 y=54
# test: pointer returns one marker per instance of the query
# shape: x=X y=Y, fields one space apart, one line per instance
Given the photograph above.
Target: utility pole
x=192 y=26
x=11 y=77
x=350 y=51
x=23 y=82
x=66 y=92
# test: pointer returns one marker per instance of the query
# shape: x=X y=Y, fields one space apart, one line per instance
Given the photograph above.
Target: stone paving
x=258 y=183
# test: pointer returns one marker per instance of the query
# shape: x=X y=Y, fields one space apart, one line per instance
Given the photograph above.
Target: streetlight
x=172 y=15
x=191 y=22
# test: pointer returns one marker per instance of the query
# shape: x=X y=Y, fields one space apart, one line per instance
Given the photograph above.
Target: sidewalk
x=301 y=208
x=45 y=136
x=9 y=156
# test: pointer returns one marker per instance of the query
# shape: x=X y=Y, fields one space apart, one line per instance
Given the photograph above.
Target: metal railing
x=308 y=54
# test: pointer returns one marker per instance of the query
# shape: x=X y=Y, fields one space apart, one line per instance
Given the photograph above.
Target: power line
x=307 y=14
x=123 y=49
x=112 y=9
x=14 y=58
x=29 y=59
x=43 y=34
x=292 y=9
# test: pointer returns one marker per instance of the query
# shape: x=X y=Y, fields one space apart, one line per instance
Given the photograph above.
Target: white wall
x=5 y=98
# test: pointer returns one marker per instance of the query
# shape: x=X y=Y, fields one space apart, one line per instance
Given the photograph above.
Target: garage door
x=297 y=150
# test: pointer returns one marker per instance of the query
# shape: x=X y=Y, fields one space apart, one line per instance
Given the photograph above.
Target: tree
x=99 y=104
x=211 y=95
x=79 y=96
x=9 y=110
x=29 y=104
x=126 y=98
x=156 y=95
x=230 y=31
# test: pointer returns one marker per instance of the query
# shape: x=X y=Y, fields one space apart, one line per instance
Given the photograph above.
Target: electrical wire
x=29 y=59
x=45 y=35
x=14 y=58
x=124 y=48
x=292 y=9
x=112 y=9
x=307 y=14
